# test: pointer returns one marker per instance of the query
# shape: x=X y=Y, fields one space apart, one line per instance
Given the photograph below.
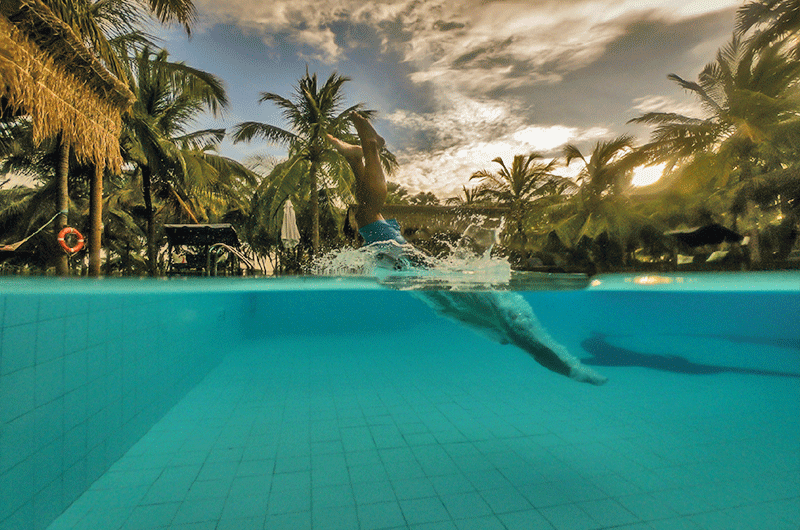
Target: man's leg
x=365 y=161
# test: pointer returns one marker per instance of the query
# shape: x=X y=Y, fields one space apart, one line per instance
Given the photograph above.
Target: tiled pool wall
x=754 y=314
x=83 y=376
x=301 y=313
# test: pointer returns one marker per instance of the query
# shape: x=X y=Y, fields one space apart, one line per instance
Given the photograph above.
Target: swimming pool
x=342 y=404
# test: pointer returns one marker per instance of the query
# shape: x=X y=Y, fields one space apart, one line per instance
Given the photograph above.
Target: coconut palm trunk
x=151 y=227
x=62 y=174
x=95 y=220
x=312 y=177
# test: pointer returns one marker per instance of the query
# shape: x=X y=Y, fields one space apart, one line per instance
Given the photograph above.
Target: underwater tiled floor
x=413 y=432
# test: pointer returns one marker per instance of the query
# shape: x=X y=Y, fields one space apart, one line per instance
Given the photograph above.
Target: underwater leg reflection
x=501 y=315
x=506 y=317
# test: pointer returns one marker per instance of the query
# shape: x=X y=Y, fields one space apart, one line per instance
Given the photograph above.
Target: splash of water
x=467 y=265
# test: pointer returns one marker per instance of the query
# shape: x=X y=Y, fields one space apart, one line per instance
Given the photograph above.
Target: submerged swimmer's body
x=503 y=316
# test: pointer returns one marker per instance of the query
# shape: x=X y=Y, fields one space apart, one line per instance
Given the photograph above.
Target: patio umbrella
x=290 y=235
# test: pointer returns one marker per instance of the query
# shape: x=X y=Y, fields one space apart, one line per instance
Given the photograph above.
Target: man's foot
x=349 y=151
x=365 y=130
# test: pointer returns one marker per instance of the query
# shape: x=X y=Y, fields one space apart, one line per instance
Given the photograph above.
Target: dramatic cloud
x=467 y=135
x=462 y=82
x=451 y=37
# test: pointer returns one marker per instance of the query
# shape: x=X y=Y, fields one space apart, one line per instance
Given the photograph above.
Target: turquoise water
x=344 y=404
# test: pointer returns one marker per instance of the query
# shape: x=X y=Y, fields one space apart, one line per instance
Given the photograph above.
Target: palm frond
x=291 y=113
x=754 y=13
x=281 y=184
x=198 y=85
x=251 y=130
x=658 y=118
x=772 y=19
x=180 y=11
x=698 y=90
x=201 y=140
x=571 y=152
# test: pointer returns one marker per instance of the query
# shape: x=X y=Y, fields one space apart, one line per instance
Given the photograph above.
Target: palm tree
x=424 y=198
x=396 y=193
x=470 y=197
x=744 y=94
x=62 y=175
x=171 y=162
x=749 y=137
x=600 y=204
x=111 y=29
x=774 y=20
x=313 y=112
x=527 y=180
x=109 y=26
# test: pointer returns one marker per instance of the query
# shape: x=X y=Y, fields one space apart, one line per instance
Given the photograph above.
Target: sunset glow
x=646 y=175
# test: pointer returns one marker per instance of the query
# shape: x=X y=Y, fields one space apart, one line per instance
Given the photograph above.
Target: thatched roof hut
x=47 y=73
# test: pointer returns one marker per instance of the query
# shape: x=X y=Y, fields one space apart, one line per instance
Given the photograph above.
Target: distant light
x=646 y=175
x=652 y=280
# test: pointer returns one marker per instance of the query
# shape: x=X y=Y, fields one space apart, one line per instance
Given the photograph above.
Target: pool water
x=342 y=404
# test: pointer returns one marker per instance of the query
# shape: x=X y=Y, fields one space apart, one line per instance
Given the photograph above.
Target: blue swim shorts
x=382 y=230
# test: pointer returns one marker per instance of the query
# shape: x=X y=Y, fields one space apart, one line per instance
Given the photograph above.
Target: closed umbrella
x=290 y=235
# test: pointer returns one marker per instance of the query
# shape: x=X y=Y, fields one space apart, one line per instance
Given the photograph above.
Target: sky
x=458 y=83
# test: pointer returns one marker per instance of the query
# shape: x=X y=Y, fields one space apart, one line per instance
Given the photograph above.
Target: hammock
x=14 y=246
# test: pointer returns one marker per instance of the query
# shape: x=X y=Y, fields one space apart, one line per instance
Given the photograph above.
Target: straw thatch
x=48 y=74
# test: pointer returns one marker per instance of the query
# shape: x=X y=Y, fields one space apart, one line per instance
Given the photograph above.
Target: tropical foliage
x=772 y=20
x=737 y=161
x=471 y=196
x=169 y=173
x=749 y=99
x=179 y=167
x=313 y=112
x=600 y=203
x=743 y=152
x=529 y=180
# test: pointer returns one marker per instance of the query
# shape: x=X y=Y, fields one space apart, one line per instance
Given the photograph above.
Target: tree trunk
x=184 y=206
x=62 y=175
x=126 y=260
x=151 y=227
x=109 y=262
x=753 y=245
x=95 y=220
x=312 y=175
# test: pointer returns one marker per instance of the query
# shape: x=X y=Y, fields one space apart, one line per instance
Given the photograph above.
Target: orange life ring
x=78 y=244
